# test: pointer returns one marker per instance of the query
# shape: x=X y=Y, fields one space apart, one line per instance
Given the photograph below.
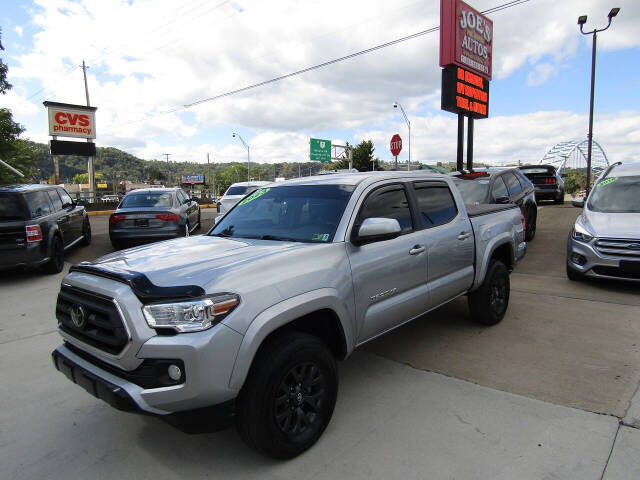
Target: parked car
x=249 y=320
x=605 y=240
x=235 y=193
x=37 y=224
x=148 y=215
x=110 y=198
x=548 y=183
x=500 y=185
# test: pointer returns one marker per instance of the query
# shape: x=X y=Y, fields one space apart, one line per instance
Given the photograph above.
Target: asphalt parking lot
x=551 y=392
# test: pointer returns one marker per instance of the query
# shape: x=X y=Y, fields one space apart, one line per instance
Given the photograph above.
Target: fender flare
x=495 y=243
x=280 y=315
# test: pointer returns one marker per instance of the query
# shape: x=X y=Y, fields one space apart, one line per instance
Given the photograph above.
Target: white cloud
x=18 y=30
x=151 y=56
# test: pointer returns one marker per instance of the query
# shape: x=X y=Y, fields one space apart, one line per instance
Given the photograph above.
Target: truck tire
x=289 y=395
x=56 y=263
x=488 y=304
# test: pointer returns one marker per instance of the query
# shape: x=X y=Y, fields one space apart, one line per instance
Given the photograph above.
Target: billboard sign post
x=466 y=54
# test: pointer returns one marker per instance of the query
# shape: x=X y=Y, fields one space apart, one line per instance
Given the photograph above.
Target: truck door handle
x=417 y=249
x=464 y=235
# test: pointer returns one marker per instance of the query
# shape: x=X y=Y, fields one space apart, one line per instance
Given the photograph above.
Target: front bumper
x=126 y=396
x=597 y=265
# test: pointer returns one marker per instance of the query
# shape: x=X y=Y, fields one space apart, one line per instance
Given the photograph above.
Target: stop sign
x=395 y=145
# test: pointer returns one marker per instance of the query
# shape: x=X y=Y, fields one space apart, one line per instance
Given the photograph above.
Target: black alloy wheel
x=299 y=399
x=56 y=263
x=488 y=304
x=288 y=398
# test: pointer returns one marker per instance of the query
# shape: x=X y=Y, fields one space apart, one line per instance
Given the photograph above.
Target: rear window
x=473 y=192
x=537 y=170
x=239 y=190
x=10 y=207
x=147 y=200
x=38 y=204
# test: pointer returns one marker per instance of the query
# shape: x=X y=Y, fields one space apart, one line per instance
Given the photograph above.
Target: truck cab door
x=389 y=277
x=449 y=241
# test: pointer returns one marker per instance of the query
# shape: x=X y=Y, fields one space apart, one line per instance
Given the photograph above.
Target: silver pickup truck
x=247 y=321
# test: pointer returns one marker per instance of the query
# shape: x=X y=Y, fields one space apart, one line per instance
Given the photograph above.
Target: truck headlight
x=190 y=315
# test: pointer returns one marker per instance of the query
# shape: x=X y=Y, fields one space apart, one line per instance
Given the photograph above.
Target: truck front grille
x=91 y=318
x=615 y=247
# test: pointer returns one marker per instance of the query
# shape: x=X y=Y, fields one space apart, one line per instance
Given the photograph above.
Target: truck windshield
x=473 y=192
x=616 y=195
x=298 y=213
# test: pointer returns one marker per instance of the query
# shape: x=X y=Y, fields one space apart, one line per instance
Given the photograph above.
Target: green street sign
x=320 y=150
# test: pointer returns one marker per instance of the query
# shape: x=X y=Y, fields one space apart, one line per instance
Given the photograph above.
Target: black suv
x=500 y=185
x=37 y=224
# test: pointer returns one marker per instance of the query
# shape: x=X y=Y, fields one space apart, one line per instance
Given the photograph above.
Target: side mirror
x=217 y=219
x=502 y=200
x=578 y=202
x=376 y=230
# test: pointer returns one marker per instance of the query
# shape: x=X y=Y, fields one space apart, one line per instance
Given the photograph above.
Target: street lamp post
x=248 y=155
x=581 y=21
x=396 y=105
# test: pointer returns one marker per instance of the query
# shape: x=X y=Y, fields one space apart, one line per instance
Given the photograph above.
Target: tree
x=84 y=177
x=16 y=152
x=362 y=157
x=575 y=181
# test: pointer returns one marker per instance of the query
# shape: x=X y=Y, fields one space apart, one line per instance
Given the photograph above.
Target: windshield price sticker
x=607 y=181
x=254 y=195
x=320 y=237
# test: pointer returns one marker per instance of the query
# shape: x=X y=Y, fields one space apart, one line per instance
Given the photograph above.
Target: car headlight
x=580 y=234
x=190 y=315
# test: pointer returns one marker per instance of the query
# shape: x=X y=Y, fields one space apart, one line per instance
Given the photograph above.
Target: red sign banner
x=466 y=38
x=395 y=145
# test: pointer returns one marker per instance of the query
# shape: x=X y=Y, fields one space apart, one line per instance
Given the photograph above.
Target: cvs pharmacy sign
x=66 y=120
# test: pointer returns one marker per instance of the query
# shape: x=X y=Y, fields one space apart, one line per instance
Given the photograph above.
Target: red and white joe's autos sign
x=466 y=37
x=67 y=120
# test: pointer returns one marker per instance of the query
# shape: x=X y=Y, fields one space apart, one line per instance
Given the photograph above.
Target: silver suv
x=605 y=240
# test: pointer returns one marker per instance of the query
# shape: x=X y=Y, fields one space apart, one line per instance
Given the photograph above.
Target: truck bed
x=487 y=208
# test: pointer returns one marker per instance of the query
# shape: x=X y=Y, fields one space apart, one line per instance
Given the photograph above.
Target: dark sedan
x=500 y=185
x=548 y=183
x=37 y=224
x=149 y=215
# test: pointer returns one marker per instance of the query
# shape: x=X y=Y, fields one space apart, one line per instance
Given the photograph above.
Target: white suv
x=605 y=240
x=236 y=192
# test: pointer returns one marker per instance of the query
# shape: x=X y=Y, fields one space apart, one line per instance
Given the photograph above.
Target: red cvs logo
x=72 y=119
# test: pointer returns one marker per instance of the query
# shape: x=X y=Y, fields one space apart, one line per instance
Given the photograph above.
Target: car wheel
x=560 y=199
x=199 y=226
x=289 y=396
x=488 y=304
x=56 y=263
x=86 y=232
x=574 y=275
x=531 y=219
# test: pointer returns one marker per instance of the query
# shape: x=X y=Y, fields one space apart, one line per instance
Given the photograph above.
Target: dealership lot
x=540 y=395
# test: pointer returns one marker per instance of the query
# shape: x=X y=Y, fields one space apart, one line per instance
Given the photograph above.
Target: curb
x=109 y=212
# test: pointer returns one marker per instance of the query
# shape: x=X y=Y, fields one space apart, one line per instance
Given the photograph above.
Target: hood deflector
x=143 y=288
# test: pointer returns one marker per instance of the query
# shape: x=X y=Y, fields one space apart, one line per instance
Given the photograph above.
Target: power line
x=497 y=8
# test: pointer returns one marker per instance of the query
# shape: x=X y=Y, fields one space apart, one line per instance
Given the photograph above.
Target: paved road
x=439 y=398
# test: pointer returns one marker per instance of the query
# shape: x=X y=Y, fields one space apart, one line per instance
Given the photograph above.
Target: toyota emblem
x=78 y=315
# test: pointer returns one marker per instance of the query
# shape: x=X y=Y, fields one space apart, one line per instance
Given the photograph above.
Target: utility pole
x=90 y=171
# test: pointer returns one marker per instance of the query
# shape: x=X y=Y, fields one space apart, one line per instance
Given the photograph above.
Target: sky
x=147 y=59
